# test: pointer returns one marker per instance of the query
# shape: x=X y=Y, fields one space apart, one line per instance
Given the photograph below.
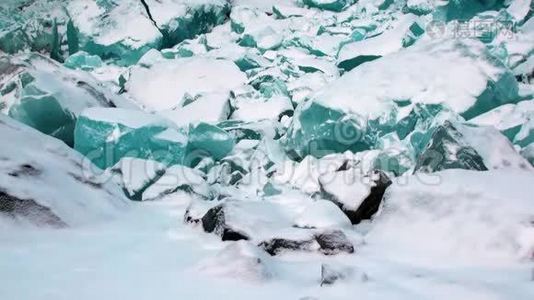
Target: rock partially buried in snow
x=268 y=225
x=64 y=190
x=359 y=197
x=332 y=273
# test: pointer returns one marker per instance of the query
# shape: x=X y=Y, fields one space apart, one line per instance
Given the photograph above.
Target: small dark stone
x=214 y=221
x=213 y=218
x=277 y=245
x=334 y=242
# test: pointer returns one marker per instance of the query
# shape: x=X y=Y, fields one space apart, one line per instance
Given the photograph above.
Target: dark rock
x=214 y=221
x=29 y=210
x=370 y=205
x=334 y=242
x=276 y=246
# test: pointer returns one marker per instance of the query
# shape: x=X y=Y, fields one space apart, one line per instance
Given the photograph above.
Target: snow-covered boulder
x=45 y=182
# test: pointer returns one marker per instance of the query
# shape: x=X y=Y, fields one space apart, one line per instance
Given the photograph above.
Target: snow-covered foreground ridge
x=286 y=149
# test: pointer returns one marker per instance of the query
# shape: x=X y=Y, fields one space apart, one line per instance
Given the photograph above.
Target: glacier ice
x=105 y=135
x=49 y=97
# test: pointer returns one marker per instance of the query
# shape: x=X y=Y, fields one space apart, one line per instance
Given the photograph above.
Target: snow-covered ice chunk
x=164 y=85
x=460 y=146
x=333 y=5
x=458 y=73
x=251 y=110
x=354 y=54
x=43 y=94
x=207 y=140
x=105 y=135
x=104 y=28
x=210 y=107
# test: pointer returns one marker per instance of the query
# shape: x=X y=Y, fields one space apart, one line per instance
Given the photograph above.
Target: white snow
x=129 y=118
x=250 y=110
x=474 y=217
x=322 y=214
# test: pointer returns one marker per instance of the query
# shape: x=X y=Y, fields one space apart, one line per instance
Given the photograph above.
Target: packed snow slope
x=267 y=149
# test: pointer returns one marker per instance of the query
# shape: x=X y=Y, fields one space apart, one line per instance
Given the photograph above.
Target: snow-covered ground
x=148 y=253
